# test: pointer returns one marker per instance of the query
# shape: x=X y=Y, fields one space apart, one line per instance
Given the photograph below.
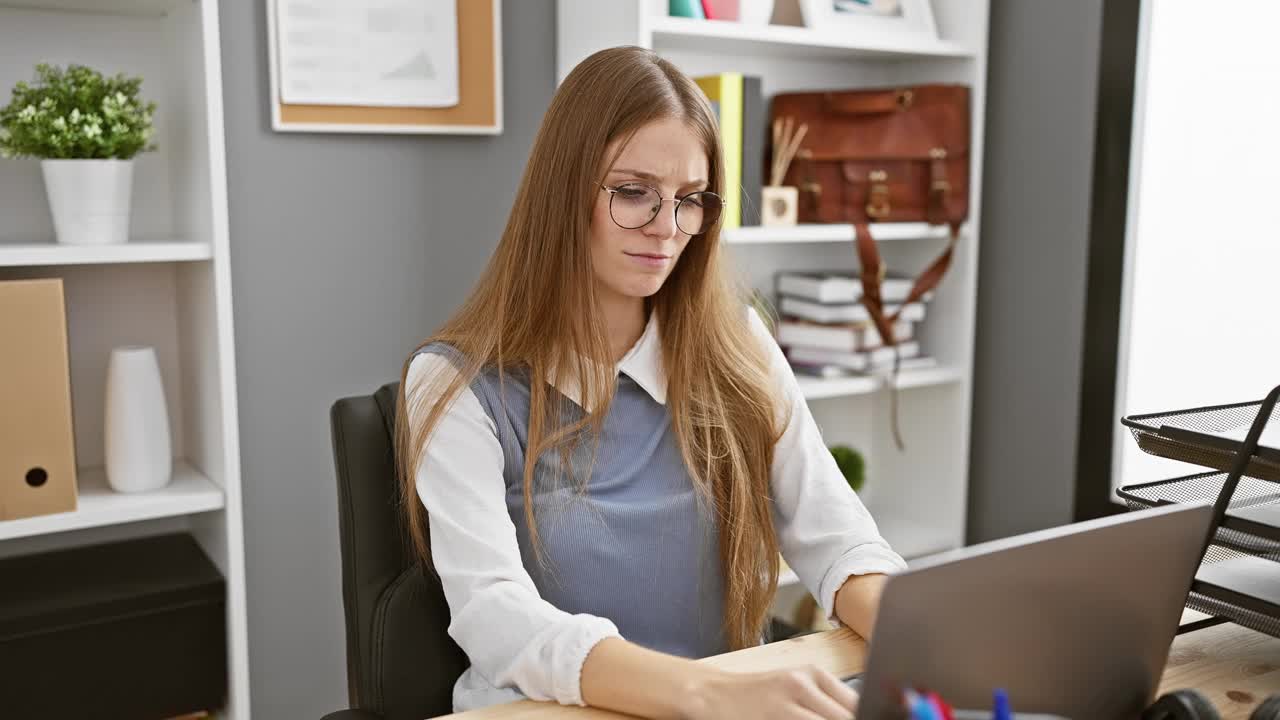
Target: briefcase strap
x=873 y=272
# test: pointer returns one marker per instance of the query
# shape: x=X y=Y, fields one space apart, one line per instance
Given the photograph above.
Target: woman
x=596 y=528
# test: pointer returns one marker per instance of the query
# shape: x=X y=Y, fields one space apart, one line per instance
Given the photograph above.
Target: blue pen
x=920 y=708
x=911 y=703
x=1002 y=710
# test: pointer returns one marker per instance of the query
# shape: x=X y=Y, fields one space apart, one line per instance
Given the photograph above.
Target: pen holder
x=778 y=205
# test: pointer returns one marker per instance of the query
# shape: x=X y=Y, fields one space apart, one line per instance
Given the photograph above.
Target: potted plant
x=851 y=465
x=86 y=130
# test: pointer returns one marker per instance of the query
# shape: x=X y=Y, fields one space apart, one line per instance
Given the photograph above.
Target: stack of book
x=827 y=332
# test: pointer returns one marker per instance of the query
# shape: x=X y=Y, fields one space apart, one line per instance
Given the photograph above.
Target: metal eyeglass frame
x=675 y=212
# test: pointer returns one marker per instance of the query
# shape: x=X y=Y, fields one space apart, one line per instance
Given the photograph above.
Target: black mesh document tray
x=1239 y=575
x=1250 y=524
x=1201 y=436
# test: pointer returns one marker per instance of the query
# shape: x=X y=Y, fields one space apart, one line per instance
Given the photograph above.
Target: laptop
x=1073 y=622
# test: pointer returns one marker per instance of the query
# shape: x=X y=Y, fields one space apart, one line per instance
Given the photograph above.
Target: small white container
x=755 y=12
x=779 y=205
x=136 y=428
x=89 y=199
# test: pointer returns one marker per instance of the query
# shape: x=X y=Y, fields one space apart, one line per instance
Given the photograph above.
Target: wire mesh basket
x=1251 y=619
x=1194 y=436
x=1206 y=487
x=1221 y=600
x=1239 y=575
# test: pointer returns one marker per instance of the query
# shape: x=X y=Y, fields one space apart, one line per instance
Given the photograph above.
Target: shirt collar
x=642 y=363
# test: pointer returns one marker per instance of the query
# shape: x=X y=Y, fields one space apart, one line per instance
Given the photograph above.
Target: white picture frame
x=915 y=18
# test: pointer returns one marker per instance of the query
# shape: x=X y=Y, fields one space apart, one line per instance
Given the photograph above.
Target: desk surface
x=1234 y=667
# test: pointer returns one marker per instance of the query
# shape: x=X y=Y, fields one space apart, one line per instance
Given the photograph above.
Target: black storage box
x=132 y=629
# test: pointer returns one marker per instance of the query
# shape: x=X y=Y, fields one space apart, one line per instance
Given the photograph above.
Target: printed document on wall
x=401 y=53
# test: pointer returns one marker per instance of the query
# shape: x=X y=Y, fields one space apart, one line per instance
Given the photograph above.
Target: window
x=1200 y=316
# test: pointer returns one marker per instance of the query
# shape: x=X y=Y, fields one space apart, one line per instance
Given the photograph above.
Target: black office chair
x=401 y=662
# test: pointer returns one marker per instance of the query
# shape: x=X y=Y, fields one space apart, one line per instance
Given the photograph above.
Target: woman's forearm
x=858 y=600
x=619 y=675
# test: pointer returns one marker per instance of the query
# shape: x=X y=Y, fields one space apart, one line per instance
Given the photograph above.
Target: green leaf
x=851 y=465
x=109 y=121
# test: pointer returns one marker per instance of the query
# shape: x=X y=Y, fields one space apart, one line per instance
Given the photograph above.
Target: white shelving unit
x=832 y=232
x=169 y=287
x=918 y=496
x=821 y=388
x=189 y=492
x=782 y=42
x=135 y=251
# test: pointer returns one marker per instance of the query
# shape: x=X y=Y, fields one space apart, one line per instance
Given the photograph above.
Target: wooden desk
x=1234 y=667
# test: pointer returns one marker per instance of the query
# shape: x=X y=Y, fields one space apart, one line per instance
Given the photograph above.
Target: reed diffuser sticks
x=786 y=143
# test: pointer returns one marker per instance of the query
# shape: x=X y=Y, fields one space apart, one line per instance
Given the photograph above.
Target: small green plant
x=851 y=465
x=78 y=114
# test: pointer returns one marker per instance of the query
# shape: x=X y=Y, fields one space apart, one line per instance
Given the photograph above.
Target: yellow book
x=725 y=92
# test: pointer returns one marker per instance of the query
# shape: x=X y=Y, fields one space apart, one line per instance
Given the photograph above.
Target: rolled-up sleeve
x=824 y=530
x=513 y=637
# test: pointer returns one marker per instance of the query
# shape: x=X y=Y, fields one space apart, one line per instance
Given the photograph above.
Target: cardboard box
x=37 y=448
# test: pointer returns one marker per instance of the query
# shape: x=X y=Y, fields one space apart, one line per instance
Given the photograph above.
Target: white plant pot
x=755 y=12
x=89 y=199
x=136 y=427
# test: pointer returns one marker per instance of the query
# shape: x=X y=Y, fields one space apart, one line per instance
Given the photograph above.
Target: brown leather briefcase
x=882 y=155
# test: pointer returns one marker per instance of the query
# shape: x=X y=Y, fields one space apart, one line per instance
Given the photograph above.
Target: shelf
x=831 y=232
x=134 y=251
x=189 y=492
x=818 y=388
x=152 y=8
x=719 y=36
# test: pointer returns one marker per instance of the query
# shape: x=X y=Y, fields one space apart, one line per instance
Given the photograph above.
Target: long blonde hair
x=535 y=308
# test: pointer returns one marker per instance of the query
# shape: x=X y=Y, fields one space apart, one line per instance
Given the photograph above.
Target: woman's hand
x=807 y=693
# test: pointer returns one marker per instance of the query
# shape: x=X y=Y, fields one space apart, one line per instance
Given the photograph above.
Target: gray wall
x=1042 y=84
x=345 y=250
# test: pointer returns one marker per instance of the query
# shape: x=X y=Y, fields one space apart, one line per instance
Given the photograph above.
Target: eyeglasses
x=633 y=205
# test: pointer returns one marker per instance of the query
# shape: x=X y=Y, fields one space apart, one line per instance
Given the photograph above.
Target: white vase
x=755 y=12
x=89 y=199
x=136 y=427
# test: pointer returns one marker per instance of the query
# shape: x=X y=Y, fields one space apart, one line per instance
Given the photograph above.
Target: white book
x=850 y=337
x=849 y=313
x=839 y=287
x=916 y=363
x=831 y=372
x=857 y=361
x=826 y=372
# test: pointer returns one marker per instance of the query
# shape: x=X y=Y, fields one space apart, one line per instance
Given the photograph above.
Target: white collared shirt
x=520 y=645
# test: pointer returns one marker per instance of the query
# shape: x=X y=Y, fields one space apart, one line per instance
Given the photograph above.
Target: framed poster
x=386 y=66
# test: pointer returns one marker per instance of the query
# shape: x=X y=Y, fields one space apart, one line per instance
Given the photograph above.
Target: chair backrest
x=401 y=662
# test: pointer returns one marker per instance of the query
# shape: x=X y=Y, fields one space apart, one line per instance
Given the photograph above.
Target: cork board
x=479 y=108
